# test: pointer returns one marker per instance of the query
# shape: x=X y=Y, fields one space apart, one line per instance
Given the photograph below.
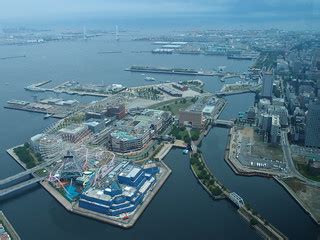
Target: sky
x=23 y=11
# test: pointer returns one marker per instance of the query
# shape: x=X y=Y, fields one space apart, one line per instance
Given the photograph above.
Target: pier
x=180 y=71
x=230 y=75
x=36 y=86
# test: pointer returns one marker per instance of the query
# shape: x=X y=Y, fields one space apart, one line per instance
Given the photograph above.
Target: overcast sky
x=27 y=10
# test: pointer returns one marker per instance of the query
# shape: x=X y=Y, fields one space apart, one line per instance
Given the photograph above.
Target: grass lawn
x=26 y=155
x=174 y=106
x=303 y=169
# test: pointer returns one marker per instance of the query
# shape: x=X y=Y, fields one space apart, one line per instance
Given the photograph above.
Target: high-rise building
x=275 y=129
x=312 y=137
x=267 y=85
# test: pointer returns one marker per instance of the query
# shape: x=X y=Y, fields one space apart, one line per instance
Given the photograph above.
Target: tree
x=187 y=139
x=193 y=160
x=253 y=221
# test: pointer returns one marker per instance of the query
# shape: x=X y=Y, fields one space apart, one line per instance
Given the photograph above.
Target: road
x=288 y=158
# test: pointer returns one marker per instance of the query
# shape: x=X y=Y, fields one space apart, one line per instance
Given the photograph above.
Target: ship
x=47 y=116
x=243 y=56
x=150 y=79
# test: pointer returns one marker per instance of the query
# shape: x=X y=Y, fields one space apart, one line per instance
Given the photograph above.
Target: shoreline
x=275 y=177
x=8 y=226
x=297 y=199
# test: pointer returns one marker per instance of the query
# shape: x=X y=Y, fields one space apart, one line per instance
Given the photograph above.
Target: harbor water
x=181 y=209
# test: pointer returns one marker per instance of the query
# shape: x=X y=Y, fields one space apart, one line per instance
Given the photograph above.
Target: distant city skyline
x=233 y=11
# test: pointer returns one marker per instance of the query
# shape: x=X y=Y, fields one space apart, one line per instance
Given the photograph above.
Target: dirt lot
x=309 y=195
x=260 y=148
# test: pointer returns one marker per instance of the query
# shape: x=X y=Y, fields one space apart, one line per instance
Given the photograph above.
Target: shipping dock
x=178 y=71
x=52 y=107
x=75 y=88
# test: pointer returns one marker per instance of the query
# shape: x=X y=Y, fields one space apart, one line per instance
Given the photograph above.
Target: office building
x=267 y=86
x=312 y=132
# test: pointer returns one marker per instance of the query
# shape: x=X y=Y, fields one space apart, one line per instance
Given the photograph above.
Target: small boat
x=47 y=116
x=143 y=74
x=185 y=151
x=150 y=79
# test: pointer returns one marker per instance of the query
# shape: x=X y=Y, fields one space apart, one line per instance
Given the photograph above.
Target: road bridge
x=224 y=123
x=229 y=93
x=21 y=185
x=25 y=173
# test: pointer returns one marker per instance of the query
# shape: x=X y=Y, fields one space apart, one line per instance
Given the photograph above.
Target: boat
x=47 y=116
x=185 y=151
x=149 y=79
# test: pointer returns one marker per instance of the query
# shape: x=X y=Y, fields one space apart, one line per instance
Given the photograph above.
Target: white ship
x=150 y=79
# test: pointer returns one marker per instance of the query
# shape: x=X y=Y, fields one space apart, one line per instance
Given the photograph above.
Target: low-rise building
x=126 y=186
x=192 y=118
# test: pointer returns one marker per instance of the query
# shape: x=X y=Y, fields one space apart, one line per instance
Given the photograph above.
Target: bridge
x=224 y=123
x=21 y=185
x=228 y=93
x=25 y=173
x=236 y=199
